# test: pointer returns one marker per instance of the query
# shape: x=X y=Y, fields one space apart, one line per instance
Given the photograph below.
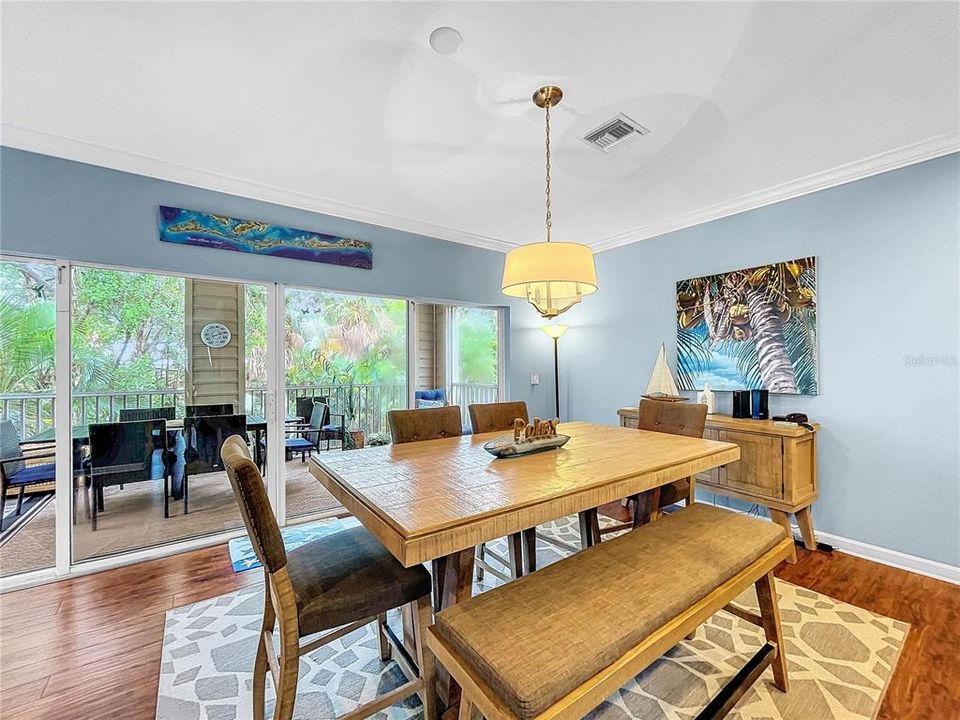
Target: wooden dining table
x=436 y=500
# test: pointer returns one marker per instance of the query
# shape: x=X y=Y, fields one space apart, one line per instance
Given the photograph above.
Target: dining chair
x=203 y=438
x=333 y=585
x=424 y=424
x=675 y=418
x=207 y=410
x=494 y=417
x=126 y=452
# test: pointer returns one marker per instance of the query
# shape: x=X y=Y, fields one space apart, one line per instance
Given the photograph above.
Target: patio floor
x=133 y=518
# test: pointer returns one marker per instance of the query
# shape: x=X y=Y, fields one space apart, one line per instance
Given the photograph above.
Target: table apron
x=472 y=531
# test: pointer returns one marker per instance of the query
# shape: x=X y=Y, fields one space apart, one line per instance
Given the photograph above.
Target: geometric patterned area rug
x=841 y=658
x=243 y=558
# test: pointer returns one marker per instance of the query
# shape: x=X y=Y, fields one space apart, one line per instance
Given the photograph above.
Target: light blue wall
x=887 y=250
x=54 y=208
x=887 y=260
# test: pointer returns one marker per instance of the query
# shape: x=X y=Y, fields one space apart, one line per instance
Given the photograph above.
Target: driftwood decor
x=527 y=438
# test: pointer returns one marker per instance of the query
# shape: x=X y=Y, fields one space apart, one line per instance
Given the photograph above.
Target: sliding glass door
x=27 y=415
x=160 y=371
x=346 y=366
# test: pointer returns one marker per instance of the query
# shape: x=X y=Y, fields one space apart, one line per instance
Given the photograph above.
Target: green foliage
x=476 y=331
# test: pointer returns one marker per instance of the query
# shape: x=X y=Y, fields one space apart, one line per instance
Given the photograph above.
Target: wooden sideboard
x=777 y=467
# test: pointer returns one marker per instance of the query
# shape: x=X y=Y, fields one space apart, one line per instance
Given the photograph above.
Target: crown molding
x=81 y=151
x=115 y=159
x=857 y=170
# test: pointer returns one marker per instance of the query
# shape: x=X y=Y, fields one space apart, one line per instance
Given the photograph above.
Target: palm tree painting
x=753 y=328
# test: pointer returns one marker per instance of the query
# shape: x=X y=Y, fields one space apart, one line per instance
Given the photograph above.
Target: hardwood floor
x=90 y=647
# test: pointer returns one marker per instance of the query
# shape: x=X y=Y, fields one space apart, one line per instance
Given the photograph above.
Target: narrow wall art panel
x=753 y=328
x=190 y=227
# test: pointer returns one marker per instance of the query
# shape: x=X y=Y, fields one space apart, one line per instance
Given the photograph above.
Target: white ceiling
x=344 y=108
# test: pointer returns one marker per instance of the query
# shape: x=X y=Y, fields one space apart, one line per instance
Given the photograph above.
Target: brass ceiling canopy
x=548 y=95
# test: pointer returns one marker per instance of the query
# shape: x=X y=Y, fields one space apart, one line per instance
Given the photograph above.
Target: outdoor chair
x=429 y=398
x=158 y=413
x=334 y=425
x=204 y=437
x=126 y=452
x=20 y=468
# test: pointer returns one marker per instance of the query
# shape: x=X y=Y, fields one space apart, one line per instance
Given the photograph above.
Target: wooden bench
x=556 y=643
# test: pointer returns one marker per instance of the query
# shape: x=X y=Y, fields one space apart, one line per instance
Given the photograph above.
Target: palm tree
x=765 y=317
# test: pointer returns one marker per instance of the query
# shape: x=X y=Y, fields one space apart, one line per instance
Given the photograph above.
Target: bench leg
x=422 y=613
x=770 y=614
x=468 y=711
x=452 y=583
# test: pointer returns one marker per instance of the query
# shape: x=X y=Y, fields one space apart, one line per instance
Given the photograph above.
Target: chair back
x=304 y=405
x=676 y=418
x=10 y=447
x=490 y=417
x=204 y=437
x=251 y=495
x=429 y=398
x=319 y=417
x=127 y=451
x=160 y=413
x=207 y=410
x=426 y=424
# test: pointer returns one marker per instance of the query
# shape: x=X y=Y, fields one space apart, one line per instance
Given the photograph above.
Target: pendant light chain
x=547 y=145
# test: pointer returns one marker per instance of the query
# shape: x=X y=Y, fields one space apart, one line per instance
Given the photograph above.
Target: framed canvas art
x=190 y=227
x=752 y=328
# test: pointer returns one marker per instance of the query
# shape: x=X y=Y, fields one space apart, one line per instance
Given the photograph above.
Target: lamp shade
x=554 y=331
x=552 y=276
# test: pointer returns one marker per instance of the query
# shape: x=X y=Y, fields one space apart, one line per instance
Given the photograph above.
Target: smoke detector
x=614 y=133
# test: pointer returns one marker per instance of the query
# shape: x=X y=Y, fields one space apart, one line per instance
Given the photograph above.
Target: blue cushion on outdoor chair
x=33 y=474
x=436 y=394
x=331 y=428
x=296 y=443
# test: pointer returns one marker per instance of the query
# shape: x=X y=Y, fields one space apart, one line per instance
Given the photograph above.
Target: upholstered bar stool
x=434 y=423
x=675 y=418
x=333 y=585
x=495 y=417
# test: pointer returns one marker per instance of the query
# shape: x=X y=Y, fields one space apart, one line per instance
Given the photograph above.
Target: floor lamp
x=555 y=331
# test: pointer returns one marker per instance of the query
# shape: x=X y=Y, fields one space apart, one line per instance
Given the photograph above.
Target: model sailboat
x=662 y=385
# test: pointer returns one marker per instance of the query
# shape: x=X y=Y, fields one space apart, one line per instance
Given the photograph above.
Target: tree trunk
x=776 y=370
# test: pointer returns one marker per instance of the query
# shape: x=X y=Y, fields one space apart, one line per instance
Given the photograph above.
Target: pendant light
x=552 y=276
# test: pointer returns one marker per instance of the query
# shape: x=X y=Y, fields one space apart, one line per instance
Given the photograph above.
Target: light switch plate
x=534 y=378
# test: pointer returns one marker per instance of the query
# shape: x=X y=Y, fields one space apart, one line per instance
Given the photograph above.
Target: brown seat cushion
x=537 y=638
x=348 y=576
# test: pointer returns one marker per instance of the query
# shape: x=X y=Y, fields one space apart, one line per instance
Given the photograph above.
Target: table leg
x=805 y=521
x=588 y=521
x=783 y=520
x=530 y=549
x=452 y=583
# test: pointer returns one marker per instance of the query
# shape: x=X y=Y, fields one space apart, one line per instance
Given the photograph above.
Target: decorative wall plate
x=215 y=335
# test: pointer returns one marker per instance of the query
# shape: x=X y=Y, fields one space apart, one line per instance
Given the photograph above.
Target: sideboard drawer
x=759 y=471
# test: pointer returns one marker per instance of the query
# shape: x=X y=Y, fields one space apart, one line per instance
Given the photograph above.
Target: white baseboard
x=882 y=555
x=893 y=558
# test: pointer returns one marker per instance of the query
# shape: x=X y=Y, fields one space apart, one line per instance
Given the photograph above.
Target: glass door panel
x=27 y=394
x=348 y=354
x=474 y=358
x=151 y=349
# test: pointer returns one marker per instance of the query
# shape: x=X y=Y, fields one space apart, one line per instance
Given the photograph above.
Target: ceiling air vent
x=614 y=133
